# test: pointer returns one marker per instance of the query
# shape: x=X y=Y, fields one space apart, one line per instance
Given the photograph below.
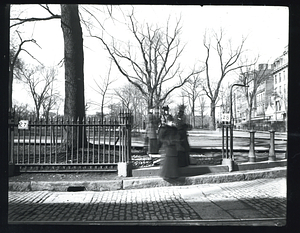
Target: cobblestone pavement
x=248 y=201
x=262 y=198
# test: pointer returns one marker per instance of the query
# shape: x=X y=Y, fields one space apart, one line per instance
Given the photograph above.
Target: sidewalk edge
x=139 y=183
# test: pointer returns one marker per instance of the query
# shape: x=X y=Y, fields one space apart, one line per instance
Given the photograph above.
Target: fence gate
x=63 y=145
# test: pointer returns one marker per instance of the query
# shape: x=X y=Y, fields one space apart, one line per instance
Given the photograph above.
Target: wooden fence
x=95 y=145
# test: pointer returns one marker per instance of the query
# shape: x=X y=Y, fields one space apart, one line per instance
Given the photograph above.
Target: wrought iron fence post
x=223 y=154
x=11 y=160
x=251 y=157
x=125 y=166
x=128 y=126
x=272 y=156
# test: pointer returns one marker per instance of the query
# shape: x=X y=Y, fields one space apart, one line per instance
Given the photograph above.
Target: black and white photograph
x=148 y=115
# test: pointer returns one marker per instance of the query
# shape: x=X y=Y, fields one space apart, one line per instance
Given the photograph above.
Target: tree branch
x=21 y=21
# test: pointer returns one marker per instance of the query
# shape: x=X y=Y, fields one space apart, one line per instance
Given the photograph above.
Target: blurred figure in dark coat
x=168 y=136
x=183 y=147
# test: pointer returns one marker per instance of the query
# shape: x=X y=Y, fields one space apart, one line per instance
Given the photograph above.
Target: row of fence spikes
x=121 y=118
x=86 y=120
x=12 y=112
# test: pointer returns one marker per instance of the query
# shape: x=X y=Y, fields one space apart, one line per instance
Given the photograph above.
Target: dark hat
x=170 y=118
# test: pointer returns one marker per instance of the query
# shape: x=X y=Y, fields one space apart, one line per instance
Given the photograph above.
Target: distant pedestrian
x=168 y=135
x=183 y=147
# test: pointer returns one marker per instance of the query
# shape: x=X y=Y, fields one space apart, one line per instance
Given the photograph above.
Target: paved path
x=256 y=202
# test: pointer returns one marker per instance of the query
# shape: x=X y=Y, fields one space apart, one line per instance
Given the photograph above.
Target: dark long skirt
x=184 y=154
x=153 y=146
x=170 y=164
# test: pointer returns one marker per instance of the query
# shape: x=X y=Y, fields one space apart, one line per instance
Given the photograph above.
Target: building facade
x=269 y=110
x=280 y=74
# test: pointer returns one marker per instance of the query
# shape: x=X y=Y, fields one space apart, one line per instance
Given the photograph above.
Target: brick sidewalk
x=262 y=198
x=236 y=201
x=142 y=204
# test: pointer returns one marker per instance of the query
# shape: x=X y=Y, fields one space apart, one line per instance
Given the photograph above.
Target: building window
x=279 y=78
x=284 y=90
x=278 y=106
x=275 y=78
x=283 y=75
x=279 y=90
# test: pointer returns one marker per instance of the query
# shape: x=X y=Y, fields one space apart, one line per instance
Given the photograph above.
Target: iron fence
x=70 y=145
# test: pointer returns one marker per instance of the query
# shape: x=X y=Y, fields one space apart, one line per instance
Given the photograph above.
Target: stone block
x=272 y=173
x=125 y=169
x=51 y=186
x=110 y=185
x=229 y=163
x=63 y=186
x=151 y=171
x=144 y=183
x=214 y=178
x=19 y=186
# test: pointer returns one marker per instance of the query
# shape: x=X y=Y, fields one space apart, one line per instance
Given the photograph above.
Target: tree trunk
x=212 y=125
x=102 y=113
x=37 y=113
x=193 y=116
x=250 y=116
x=73 y=58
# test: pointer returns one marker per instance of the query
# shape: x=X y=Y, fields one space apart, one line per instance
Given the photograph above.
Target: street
x=256 y=202
x=241 y=140
x=207 y=139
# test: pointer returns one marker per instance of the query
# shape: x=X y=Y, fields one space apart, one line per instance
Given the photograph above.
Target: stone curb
x=138 y=183
x=62 y=186
x=237 y=176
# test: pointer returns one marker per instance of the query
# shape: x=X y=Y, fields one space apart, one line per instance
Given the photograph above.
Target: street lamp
x=231 y=117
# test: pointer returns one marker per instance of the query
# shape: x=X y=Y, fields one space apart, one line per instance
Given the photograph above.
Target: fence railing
x=70 y=145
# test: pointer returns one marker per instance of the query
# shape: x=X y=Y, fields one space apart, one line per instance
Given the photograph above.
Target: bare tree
x=227 y=63
x=53 y=100
x=15 y=63
x=15 y=50
x=73 y=56
x=150 y=63
x=128 y=95
x=192 y=92
x=18 y=20
x=132 y=100
x=22 y=111
x=73 y=59
x=102 y=89
x=155 y=63
x=74 y=107
x=253 y=78
x=39 y=80
x=202 y=108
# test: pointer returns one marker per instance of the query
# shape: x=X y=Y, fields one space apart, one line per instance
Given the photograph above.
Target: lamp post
x=231 y=117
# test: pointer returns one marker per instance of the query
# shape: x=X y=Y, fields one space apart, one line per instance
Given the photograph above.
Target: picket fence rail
x=70 y=145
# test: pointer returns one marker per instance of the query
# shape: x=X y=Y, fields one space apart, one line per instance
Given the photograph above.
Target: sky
x=265 y=27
